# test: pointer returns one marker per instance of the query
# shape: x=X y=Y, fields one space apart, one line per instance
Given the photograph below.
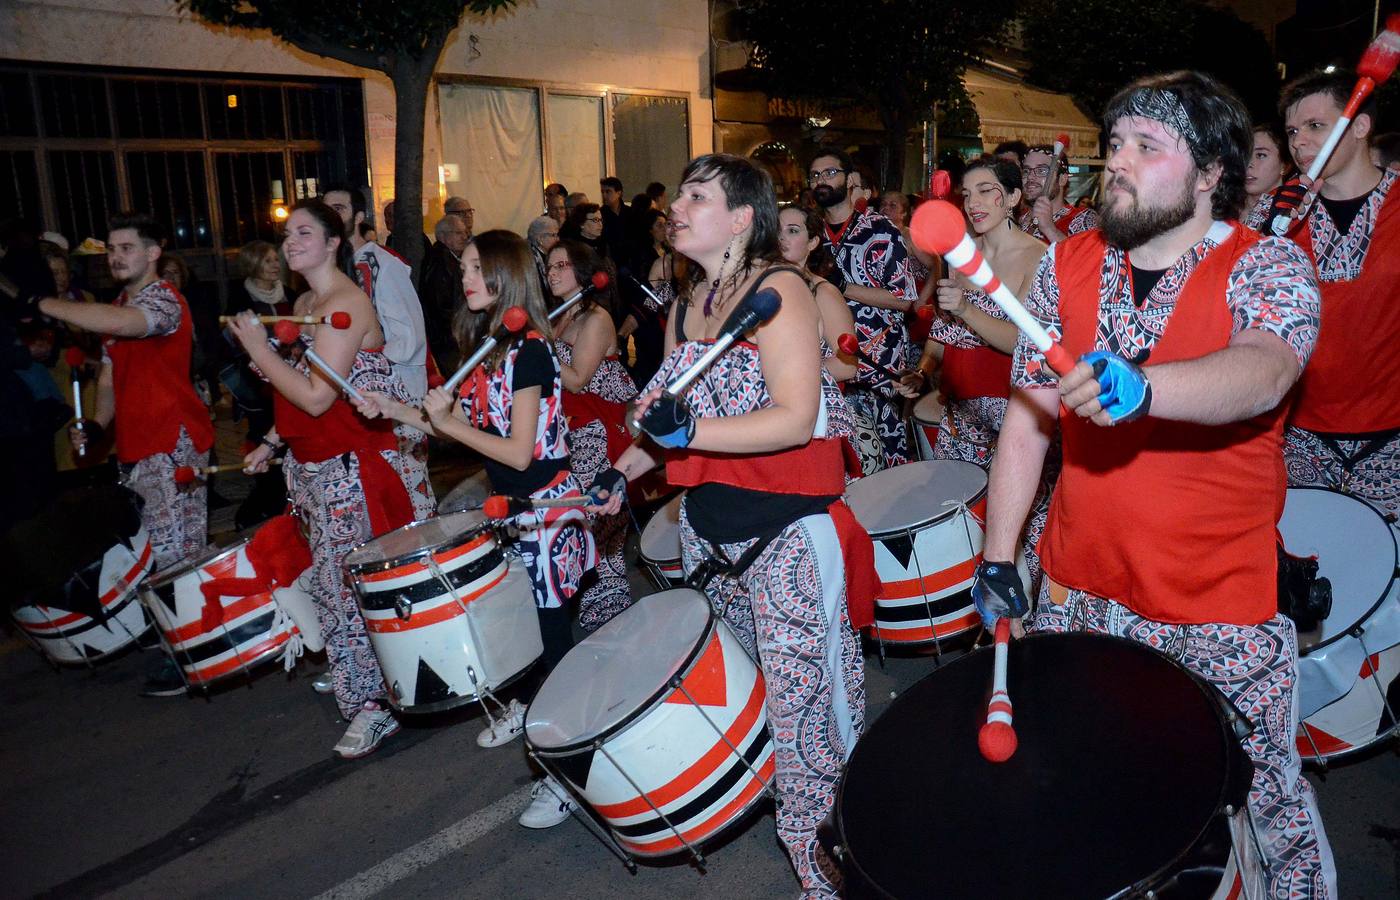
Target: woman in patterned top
x=1269 y=167
x=596 y=391
x=342 y=472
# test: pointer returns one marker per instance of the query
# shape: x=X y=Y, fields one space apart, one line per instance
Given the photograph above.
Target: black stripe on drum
x=91 y=623
x=429 y=588
x=705 y=800
x=916 y=610
x=223 y=641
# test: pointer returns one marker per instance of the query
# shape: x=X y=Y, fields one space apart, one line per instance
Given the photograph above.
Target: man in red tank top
x=1344 y=430
x=1190 y=331
x=145 y=391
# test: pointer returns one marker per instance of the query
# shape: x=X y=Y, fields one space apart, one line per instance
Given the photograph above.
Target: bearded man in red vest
x=144 y=388
x=1344 y=430
x=1190 y=330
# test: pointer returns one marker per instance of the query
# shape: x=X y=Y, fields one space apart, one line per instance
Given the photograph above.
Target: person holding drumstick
x=765 y=480
x=342 y=472
x=1190 y=330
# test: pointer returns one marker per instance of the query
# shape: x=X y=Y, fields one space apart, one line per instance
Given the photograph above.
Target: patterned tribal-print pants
x=1256 y=668
x=789 y=611
x=413 y=470
x=610 y=595
x=175 y=516
x=1376 y=478
x=555 y=545
x=331 y=501
x=885 y=412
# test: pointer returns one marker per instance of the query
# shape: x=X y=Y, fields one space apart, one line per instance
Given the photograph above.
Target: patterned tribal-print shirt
x=1256 y=216
x=486 y=401
x=159 y=302
x=610 y=380
x=1271 y=287
x=951 y=332
x=870 y=252
x=1084 y=220
x=1340 y=256
x=369 y=371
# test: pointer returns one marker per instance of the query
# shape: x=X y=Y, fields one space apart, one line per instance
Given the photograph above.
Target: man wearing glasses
x=1048 y=216
x=870 y=253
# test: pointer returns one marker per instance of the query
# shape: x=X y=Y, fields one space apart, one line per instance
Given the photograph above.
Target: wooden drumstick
x=996 y=738
x=340 y=320
x=499 y=506
x=190 y=474
x=598 y=282
x=850 y=345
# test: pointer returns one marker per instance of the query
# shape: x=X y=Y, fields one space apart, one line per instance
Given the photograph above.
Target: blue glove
x=669 y=422
x=1124 y=392
x=998 y=593
x=612 y=481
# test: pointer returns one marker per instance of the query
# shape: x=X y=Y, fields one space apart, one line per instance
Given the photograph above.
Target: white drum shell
x=659 y=548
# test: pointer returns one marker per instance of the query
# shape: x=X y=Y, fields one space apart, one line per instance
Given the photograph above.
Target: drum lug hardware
x=403 y=607
x=1229 y=809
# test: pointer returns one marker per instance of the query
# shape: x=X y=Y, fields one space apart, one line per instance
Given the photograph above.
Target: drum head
x=1122 y=764
x=661 y=539
x=619 y=670
x=1355 y=550
x=414 y=539
x=914 y=494
x=929 y=409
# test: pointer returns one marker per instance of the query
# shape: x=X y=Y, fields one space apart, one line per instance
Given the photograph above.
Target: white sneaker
x=549 y=805
x=509 y=726
x=367 y=730
x=322 y=683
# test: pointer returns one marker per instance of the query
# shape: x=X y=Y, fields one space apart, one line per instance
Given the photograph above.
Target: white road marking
x=429 y=850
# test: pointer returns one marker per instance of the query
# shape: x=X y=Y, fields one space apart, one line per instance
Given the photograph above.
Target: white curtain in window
x=576 y=143
x=492 y=134
x=651 y=141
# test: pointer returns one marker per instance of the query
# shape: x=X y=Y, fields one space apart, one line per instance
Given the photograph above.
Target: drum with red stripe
x=69 y=636
x=1349 y=666
x=926 y=519
x=213 y=638
x=450 y=614
x=927 y=414
x=657 y=721
x=659 y=550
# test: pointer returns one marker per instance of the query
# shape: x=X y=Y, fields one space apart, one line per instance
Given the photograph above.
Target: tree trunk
x=411 y=79
x=896 y=139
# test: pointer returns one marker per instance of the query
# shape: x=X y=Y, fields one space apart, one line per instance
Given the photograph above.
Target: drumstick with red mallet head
x=287 y=333
x=849 y=344
x=191 y=474
x=1376 y=66
x=598 y=282
x=940 y=185
x=500 y=506
x=939 y=227
x=512 y=320
x=339 y=320
x=75 y=358
x=996 y=739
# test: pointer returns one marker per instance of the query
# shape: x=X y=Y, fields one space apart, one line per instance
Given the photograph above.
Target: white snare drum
x=450 y=614
x=249 y=629
x=1348 y=667
x=928 y=413
x=926 y=519
x=657 y=721
x=660 y=546
x=68 y=636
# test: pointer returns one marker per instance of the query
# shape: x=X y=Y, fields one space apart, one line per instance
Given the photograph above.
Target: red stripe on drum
x=923 y=633
x=1313 y=741
x=703 y=768
x=236 y=609
x=1370 y=665
x=391 y=623
x=243 y=658
x=126 y=583
x=415 y=568
x=932 y=585
x=711 y=825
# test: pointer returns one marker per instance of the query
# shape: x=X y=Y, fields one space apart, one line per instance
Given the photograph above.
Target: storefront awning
x=1010 y=110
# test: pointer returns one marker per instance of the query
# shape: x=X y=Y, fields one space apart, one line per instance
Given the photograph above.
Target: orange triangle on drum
x=705 y=683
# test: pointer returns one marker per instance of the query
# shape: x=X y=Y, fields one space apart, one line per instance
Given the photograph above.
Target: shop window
x=651 y=140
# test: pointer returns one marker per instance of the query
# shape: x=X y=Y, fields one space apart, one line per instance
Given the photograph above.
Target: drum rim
x=212 y=553
x=934 y=519
x=1213 y=698
x=942 y=409
x=642 y=710
x=1389 y=586
x=418 y=555
x=677 y=501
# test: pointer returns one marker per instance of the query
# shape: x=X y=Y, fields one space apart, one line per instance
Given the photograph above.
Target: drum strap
x=1373 y=442
x=716 y=563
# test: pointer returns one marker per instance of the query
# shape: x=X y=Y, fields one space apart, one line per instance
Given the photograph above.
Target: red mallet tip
x=286 y=332
x=926 y=312
x=940 y=185
x=496 y=507
x=1392 y=23
x=1062 y=139
x=340 y=320
x=514 y=319
x=601 y=280
x=848 y=344
x=184 y=475
x=997 y=741
x=937 y=226
x=74 y=357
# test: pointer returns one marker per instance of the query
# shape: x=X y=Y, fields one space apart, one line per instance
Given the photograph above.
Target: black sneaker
x=164 y=681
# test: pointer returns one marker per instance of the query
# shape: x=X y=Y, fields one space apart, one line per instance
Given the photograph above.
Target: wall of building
x=639 y=44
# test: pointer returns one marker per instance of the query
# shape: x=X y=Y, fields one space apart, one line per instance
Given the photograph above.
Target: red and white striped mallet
x=75 y=359
x=598 y=282
x=939 y=227
x=191 y=474
x=499 y=506
x=340 y=320
x=996 y=738
x=287 y=332
x=512 y=321
x=850 y=346
x=940 y=185
x=1376 y=66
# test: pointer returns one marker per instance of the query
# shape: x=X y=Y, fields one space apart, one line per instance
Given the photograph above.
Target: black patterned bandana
x=1165 y=107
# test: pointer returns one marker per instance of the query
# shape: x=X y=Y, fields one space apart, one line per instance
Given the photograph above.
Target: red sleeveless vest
x=152 y=391
x=1173 y=520
x=1352 y=380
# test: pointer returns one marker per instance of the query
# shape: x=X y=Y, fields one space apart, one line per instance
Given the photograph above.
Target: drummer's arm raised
x=1021 y=445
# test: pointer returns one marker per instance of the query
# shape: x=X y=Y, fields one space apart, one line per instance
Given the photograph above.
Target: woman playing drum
x=765 y=481
x=341 y=470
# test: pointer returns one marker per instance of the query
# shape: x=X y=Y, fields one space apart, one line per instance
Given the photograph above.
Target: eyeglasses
x=824 y=175
x=460 y=212
x=1037 y=171
x=560 y=266
x=597 y=220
